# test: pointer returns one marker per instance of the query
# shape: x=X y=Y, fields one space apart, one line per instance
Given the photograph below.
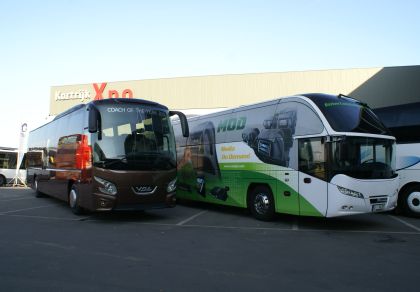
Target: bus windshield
x=363 y=157
x=134 y=137
x=349 y=115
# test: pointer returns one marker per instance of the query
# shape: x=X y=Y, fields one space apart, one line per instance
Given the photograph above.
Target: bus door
x=42 y=173
x=313 y=186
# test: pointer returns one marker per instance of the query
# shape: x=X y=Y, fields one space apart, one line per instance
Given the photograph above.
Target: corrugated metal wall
x=377 y=86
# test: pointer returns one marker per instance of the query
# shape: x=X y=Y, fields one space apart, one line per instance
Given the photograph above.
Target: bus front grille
x=378 y=200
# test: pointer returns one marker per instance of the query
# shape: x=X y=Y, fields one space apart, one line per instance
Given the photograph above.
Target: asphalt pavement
x=200 y=247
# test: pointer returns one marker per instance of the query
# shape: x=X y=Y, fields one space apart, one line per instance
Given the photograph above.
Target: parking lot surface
x=200 y=247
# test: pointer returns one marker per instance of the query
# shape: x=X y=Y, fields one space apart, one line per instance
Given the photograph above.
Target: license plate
x=377 y=208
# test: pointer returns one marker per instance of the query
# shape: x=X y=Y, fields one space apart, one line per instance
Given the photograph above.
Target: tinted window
x=362 y=157
x=403 y=121
x=247 y=124
x=141 y=138
x=8 y=160
x=270 y=133
x=34 y=158
x=409 y=134
x=301 y=119
x=179 y=138
x=76 y=121
x=348 y=115
x=216 y=123
x=312 y=158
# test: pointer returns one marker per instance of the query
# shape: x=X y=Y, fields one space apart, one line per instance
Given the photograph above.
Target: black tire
x=409 y=201
x=74 y=201
x=261 y=203
x=38 y=194
x=2 y=180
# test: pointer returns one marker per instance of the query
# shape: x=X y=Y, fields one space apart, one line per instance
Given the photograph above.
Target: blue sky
x=45 y=43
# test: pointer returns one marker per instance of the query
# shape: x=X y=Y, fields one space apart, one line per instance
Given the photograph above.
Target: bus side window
x=312 y=157
x=305 y=157
x=8 y=160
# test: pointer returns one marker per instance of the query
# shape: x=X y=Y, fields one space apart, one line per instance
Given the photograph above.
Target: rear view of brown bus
x=111 y=154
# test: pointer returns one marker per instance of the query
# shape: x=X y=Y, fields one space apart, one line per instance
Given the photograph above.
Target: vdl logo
x=144 y=190
x=232 y=124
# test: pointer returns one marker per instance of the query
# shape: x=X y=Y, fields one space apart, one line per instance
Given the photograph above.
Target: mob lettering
x=231 y=124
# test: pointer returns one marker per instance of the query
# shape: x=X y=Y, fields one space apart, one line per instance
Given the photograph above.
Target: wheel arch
x=251 y=188
x=407 y=186
x=402 y=207
x=70 y=184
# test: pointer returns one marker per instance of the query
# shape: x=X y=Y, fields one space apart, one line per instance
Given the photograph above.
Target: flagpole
x=17 y=180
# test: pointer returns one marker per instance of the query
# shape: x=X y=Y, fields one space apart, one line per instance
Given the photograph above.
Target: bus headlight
x=349 y=192
x=108 y=187
x=171 y=186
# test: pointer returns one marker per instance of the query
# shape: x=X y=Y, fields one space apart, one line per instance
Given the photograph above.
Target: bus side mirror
x=184 y=122
x=95 y=121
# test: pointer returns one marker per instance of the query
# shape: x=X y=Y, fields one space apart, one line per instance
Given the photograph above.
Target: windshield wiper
x=111 y=161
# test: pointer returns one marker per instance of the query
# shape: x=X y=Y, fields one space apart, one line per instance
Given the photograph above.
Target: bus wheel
x=38 y=194
x=74 y=201
x=261 y=203
x=410 y=201
x=2 y=180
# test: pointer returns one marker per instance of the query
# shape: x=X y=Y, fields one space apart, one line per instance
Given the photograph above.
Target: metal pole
x=17 y=180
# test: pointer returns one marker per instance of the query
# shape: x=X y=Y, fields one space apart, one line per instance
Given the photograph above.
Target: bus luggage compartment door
x=287 y=199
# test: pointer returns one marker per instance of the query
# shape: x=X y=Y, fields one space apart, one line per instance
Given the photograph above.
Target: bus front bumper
x=103 y=202
x=349 y=196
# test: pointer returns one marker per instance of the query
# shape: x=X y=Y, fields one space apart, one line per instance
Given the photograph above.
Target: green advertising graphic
x=231 y=188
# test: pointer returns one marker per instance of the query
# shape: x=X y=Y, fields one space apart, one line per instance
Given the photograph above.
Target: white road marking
x=17 y=199
x=71 y=248
x=405 y=223
x=300 y=230
x=183 y=223
x=191 y=218
x=92 y=219
x=56 y=245
x=45 y=217
x=26 y=209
